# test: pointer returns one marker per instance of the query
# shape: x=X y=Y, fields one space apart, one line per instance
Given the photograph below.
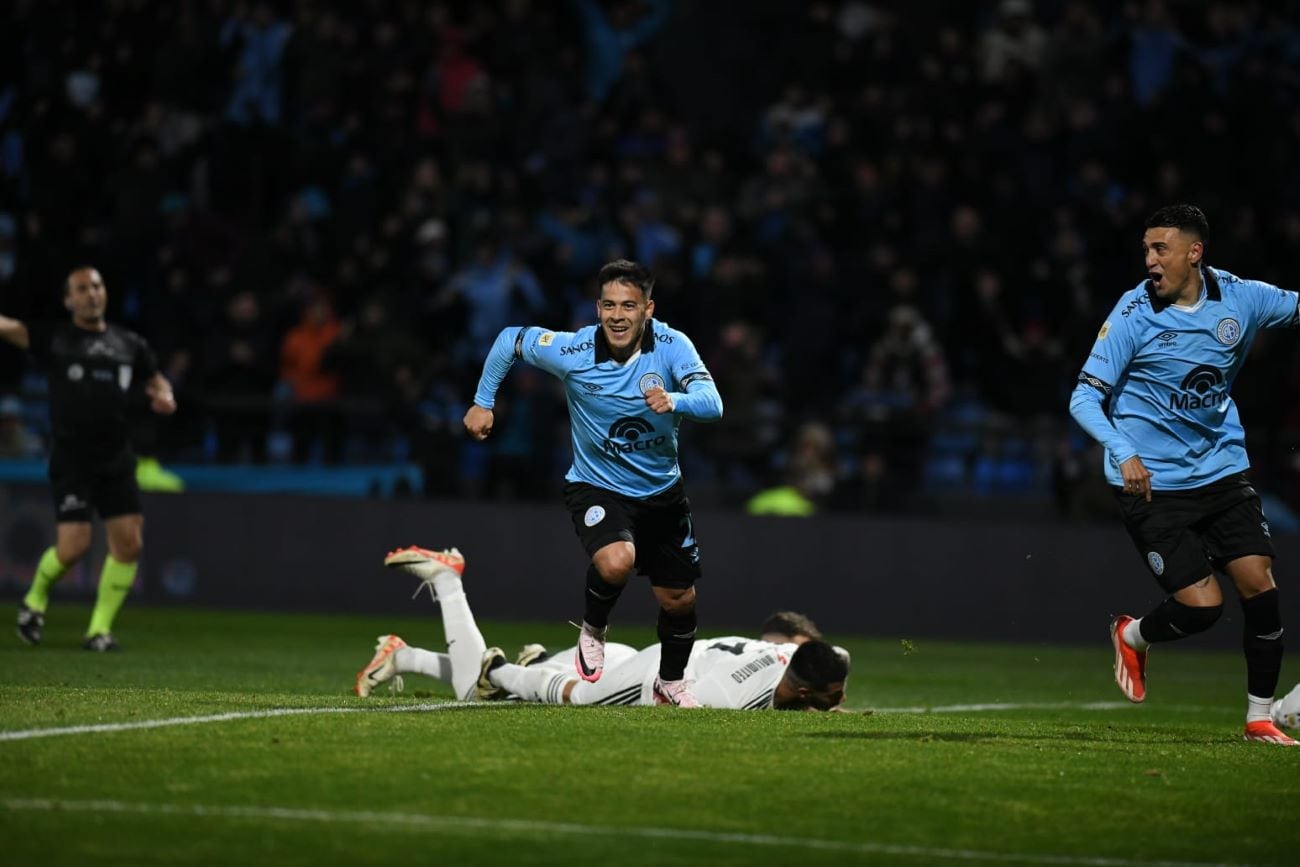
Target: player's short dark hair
x=816 y=665
x=67 y=277
x=791 y=623
x=629 y=272
x=1185 y=218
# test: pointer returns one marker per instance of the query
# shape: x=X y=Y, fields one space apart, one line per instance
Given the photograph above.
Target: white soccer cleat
x=589 y=659
x=1286 y=710
x=485 y=689
x=531 y=653
x=382 y=667
x=425 y=564
x=675 y=692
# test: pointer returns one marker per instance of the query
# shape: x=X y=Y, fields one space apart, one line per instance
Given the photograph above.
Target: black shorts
x=1183 y=536
x=660 y=527
x=108 y=486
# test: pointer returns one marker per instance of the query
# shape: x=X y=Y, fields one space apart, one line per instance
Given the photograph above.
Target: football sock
x=531 y=684
x=465 y=643
x=48 y=570
x=1258 y=709
x=1133 y=636
x=1262 y=642
x=417 y=660
x=600 y=596
x=114 y=583
x=677 y=637
x=1172 y=620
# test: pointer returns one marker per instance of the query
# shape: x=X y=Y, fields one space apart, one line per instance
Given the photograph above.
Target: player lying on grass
x=1286 y=710
x=798 y=672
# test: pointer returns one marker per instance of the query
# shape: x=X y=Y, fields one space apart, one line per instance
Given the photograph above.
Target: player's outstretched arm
x=161 y=398
x=15 y=332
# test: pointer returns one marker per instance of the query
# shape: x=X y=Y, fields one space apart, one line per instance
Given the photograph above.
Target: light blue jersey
x=619 y=443
x=1157 y=382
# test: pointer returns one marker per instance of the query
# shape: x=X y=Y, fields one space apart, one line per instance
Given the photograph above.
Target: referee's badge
x=594 y=516
x=1228 y=331
x=1156 y=562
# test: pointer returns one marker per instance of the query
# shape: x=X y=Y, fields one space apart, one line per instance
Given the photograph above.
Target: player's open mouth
x=1155 y=277
x=618 y=329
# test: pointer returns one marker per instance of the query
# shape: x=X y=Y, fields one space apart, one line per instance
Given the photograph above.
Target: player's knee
x=615 y=566
x=126 y=549
x=1191 y=619
x=677 y=602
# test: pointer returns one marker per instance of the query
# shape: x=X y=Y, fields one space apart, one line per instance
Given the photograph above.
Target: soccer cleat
x=101 y=643
x=530 y=654
x=31 y=624
x=675 y=692
x=1130 y=664
x=382 y=668
x=425 y=564
x=1286 y=710
x=590 y=658
x=1263 y=731
x=485 y=689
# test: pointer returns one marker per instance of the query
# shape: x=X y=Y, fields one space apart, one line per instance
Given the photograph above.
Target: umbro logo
x=1167 y=338
x=591 y=386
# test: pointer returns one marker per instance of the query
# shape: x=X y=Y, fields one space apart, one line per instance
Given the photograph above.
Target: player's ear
x=1196 y=252
x=650 y=308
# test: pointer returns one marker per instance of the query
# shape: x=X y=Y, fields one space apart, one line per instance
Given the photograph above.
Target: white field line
x=100 y=728
x=108 y=728
x=540 y=828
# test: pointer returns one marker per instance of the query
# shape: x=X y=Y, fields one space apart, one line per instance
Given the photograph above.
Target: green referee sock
x=114 y=583
x=48 y=571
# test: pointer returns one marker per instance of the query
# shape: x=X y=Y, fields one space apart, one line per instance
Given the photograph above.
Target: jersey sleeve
x=1274 y=307
x=1111 y=352
x=696 y=395
x=552 y=351
x=146 y=361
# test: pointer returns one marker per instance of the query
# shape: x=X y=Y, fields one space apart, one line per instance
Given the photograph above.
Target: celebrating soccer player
x=1155 y=392
x=624 y=488
x=91 y=366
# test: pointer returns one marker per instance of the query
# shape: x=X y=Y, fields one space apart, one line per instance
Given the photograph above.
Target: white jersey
x=736 y=672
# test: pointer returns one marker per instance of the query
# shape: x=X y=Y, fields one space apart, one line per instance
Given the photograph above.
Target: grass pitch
x=278 y=763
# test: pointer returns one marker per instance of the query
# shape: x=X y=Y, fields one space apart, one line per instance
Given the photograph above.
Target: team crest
x=650 y=381
x=594 y=516
x=1105 y=329
x=1156 y=562
x=1228 y=331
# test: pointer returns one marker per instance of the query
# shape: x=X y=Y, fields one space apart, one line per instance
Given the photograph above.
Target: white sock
x=465 y=643
x=1133 y=635
x=1258 y=708
x=531 y=683
x=417 y=660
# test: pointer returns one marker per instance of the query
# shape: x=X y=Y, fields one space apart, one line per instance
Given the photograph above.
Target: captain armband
x=519 y=343
x=702 y=376
x=1089 y=379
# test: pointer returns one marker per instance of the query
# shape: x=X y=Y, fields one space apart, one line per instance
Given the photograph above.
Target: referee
x=1155 y=391
x=91 y=367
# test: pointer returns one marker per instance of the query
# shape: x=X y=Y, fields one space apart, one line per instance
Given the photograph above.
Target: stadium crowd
x=892 y=229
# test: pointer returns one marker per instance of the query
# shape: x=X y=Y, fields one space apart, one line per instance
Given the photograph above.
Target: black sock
x=676 y=638
x=1172 y=620
x=601 y=596
x=1262 y=641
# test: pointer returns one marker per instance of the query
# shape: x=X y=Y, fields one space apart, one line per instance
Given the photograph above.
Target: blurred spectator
x=239 y=379
x=16 y=441
x=314 y=417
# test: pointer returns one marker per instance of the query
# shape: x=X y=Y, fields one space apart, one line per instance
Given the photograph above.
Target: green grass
x=514 y=784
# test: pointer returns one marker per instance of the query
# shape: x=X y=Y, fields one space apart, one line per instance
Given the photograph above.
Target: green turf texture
x=522 y=784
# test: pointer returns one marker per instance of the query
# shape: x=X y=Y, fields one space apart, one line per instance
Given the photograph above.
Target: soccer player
x=801 y=673
x=1155 y=392
x=91 y=367
x=624 y=489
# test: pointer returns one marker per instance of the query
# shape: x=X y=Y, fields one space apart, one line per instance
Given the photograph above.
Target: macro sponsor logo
x=576 y=348
x=1202 y=388
x=631 y=434
x=1140 y=301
